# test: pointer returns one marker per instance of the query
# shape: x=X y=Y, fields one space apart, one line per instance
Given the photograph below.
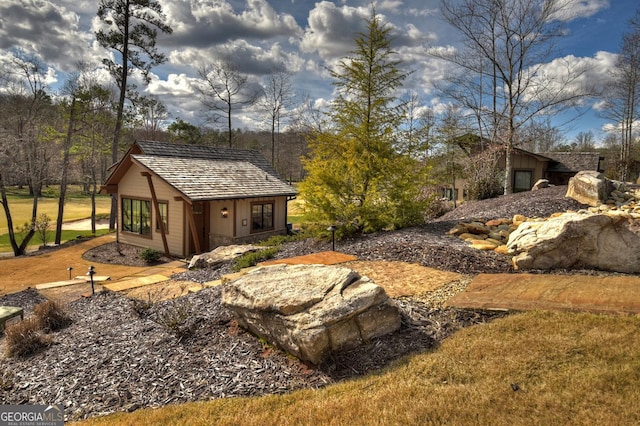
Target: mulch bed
x=119 y=355
x=120 y=254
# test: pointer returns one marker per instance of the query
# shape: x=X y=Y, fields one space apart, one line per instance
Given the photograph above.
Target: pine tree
x=356 y=177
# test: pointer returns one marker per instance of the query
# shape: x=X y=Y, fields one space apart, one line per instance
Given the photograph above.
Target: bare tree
x=130 y=29
x=585 y=141
x=83 y=102
x=150 y=114
x=623 y=94
x=277 y=97
x=506 y=44
x=539 y=136
x=223 y=91
x=418 y=130
x=26 y=107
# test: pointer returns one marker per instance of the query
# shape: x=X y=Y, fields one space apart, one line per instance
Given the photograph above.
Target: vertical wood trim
x=156 y=207
x=192 y=227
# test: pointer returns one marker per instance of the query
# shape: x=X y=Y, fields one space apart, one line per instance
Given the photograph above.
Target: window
x=136 y=216
x=163 y=206
x=522 y=180
x=261 y=216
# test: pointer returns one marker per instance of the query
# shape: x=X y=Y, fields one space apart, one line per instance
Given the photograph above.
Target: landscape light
x=91 y=272
x=333 y=229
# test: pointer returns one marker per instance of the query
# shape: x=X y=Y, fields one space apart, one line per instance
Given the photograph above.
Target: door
x=200 y=213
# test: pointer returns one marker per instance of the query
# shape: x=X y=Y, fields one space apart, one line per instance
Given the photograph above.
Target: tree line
x=365 y=162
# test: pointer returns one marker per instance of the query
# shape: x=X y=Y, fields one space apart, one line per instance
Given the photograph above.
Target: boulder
x=608 y=242
x=590 y=187
x=214 y=259
x=540 y=184
x=311 y=311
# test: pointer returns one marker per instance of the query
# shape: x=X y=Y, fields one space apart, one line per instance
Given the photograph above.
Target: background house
x=529 y=167
x=185 y=199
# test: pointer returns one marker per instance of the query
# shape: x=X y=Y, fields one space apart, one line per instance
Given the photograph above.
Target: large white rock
x=579 y=240
x=220 y=255
x=310 y=311
x=589 y=187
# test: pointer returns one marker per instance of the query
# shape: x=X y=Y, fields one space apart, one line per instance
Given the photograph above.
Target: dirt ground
x=398 y=278
x=20 y=273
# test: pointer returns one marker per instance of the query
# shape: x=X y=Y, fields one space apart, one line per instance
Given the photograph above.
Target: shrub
x=253 y=258
x=41 y=226
x=150 y=255
x=142 y=306
x=50 y=316
x=484 y=179
x=177 y=318
x=25 y=338
x=277 y=240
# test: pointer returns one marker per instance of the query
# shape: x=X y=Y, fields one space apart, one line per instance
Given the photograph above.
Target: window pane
x=135 y=215
x=163 y=207
x=145 y=217
x=267 y=216
x=256 y=216
x=522 y=180
x=126 y=214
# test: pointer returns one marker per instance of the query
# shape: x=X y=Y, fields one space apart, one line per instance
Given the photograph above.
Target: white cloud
x=203 y=23
x=574 y=9
x=573 y=75
x=331 y=29
x=43 y=28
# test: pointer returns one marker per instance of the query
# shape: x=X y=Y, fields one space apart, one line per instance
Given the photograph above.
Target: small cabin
x=187 y=199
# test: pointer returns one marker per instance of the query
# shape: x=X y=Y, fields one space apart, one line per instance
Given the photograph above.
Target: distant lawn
x=541 y=368
x=67 y=235
x=78 y=206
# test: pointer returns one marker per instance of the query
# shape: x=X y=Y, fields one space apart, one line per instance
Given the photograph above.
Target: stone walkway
x=619 y=294
x=610 y=294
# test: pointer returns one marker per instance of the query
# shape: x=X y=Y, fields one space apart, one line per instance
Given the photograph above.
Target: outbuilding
x=185 y=199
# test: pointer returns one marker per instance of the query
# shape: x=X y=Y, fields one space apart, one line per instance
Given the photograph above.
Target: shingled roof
x=204 y=173
x=572 y=162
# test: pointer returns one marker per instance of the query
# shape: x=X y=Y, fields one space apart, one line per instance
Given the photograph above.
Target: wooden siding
x=133 y=185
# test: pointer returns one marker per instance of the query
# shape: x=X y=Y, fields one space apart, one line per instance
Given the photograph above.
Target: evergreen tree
x=129 y=29
x=356 y=177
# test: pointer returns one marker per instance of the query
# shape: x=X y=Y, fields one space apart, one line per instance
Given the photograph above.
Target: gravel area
x=120 y=355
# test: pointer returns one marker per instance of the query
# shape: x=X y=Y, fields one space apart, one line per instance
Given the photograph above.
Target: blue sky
x=303 y=37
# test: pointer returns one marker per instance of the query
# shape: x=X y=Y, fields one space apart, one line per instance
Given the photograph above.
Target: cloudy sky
x=300 y=36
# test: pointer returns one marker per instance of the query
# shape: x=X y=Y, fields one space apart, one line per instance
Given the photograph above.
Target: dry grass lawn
x=74 y=209
x=529 y=368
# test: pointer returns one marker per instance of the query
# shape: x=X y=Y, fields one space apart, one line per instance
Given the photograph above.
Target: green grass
x=67 y=235
x=578 y=369
x=77 y=206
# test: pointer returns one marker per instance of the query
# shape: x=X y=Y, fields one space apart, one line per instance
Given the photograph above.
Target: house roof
x=572 y=162
x=204 y=173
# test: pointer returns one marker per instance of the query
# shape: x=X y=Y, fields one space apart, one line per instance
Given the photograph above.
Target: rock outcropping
x=310 y=311
x=220 y=255
x=589 y=187
x=608 y=241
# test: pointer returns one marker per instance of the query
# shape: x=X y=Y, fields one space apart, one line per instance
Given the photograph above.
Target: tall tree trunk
x=7 y=213
x=65 y=173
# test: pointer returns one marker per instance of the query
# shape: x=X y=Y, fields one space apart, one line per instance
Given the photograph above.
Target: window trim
x=272 y=203
x=122 y=212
